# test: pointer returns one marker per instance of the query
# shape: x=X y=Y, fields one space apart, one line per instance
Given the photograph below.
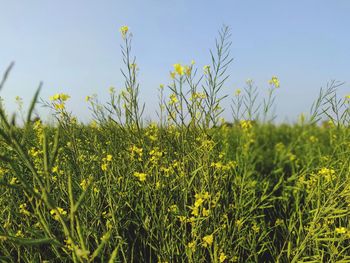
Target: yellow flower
x=59 y=106
x=205 y=212
x=85 y=183
x=206 y=195
x=60 y=96
x=19 y=233
x=182 y=219
x=23 y=209
x=313 y=139
x=245 y=124
x=179 y=69
x=55 y=169
x=140 y=176
x=197 y=196
x=55 y=97
x=237 y=92
x=347 y=98
x=208 y=240
x=124 y=30
x=217 y=165
x=239 y=223
x=155 y=155
x=57 y=212
x=173 y=99
x=69 y=244
x=135 y=151
x=328 y=174
x=188 y=70
x=111 y=90
x=206 y=69
x=191 y=220
x=274 y=81
x=109 y=158
x=18 y=99
x=192 y=246
x=198 y=95
x=198 y=202
x=340 y=230
x=14 y=180
x=222 y=257
x=173 y=209
x=64 y=96
x=195 y=211
x=256 y=228
x=104 y=167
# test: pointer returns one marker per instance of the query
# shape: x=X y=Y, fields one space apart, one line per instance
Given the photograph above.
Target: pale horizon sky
x=74 y=47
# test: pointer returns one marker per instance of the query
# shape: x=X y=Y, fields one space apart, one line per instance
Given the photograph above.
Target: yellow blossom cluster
x=105 y=161
x=237 y=92
x=155 y=155
x=224 y=166
x=208 y=240
x=173 y=99
x=206 y=69
x=192 y=246
x=141 y=176
x=136 y=152
x=124 y=30
x=328 y=174
x=23 y=209
x=60 y=97
x=152 y=131
x=325 y=174
x=173 y=209
x=248 y=133
x=19 y=233
x=313 y=139
x=86 y=182
x=198 y=95
x=58 y=100
x=181 y=70
x=205 y=142
x=57 y=212
x=222 y=257
x=343 y=231
x=167 y=171
x=69 y=244
x=198 y=208
x=275 y=82
x=246 y=124
x=39 y=129
x=34 y=152
x=14 y=181
x=347 y=98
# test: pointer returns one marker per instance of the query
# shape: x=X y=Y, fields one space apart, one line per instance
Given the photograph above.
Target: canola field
x=190 y=187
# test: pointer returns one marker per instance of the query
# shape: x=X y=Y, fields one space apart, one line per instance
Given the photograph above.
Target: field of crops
x=187 y=188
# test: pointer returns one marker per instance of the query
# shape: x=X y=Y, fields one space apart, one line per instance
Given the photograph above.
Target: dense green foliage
x=263 y=192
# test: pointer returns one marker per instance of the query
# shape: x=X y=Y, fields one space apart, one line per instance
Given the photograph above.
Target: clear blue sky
x=73 y=46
